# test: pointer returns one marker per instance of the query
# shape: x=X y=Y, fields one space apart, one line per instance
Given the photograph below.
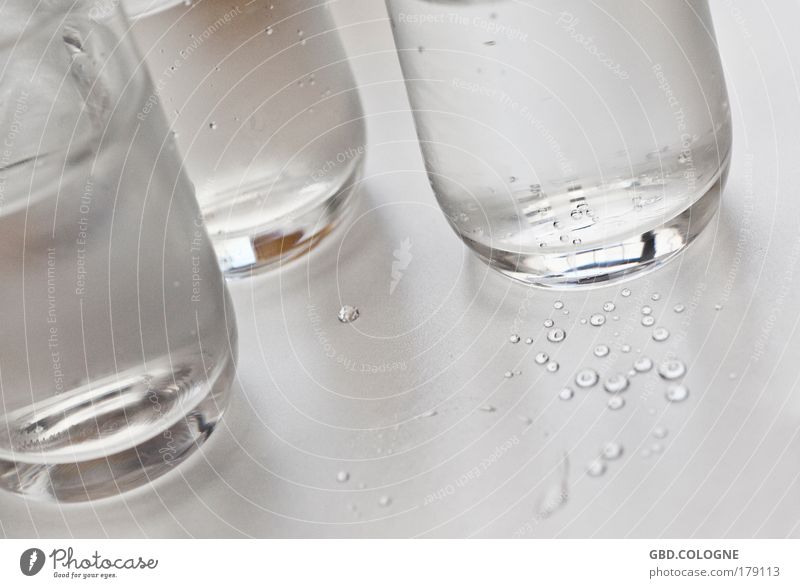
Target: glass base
x=587 y=267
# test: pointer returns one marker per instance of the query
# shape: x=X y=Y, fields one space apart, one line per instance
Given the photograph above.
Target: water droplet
x=548 y=323
x=348 y=314
x=609 y=306
x=558 y=305
x=616 y=402
x=552 y=366
x=601 y=350
x=490 y=43
x=514 y=338
x=679 y=308
x=342 y=477
x=672 y=369
x=656 y=296
x=566 y=394
x=616 y=383
x=643 y=364
x=596 y=468
x=576 y=214
x=583 y=321
x=660 y=432
x=596 y=320
x=586 y=378
x=269 y=30
x=646 y=310
x=541 y=358
x=384 y=501
x=508 y=375
x=212 y=125
x=488 y=408
x=576 y=241
x=626 y=292
x=677 y=393
x=648 y=321
x=625 y=348
x=525 y=419
x=512 y=179
x=717 y=307
x=528 y=341
x=660 y=334
x=556 y=335
x=612 y=450
x=430 y=413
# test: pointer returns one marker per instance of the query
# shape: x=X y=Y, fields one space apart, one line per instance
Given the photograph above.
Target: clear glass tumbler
x=118 y=338
x=568 y=142
x=267 y=116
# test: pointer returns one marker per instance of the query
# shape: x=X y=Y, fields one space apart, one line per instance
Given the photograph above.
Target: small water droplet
x=385 y=501
x=732 y=375
x=490 y=43
x=656 y=296
x=583 y=321
x=626 y=292
x=596 y=468
x=558 y=305
x=212 y=125
x=508 y=375
x=616 y=402
x=552 y=366
x=525 y=419
x=348 y=314
x=648 y=320
x=576 y=241
x=597 y=319
x=269 y=30
x=643 y=364
x=514 y=338
x=612 y=450
x=660 y=334
x=677 y=393
x=601 y=350
x=541 y=358
x=430 y=413
x=576 y=214
x=717 y=307
x=566 y=394
x=548 y=323
x=679 y=308
x=646 y=310
x=342 y=477
x=528 y=341
x=586 y=378
x=616 y=383
x=671 y=369
x=660 y=432
x=556 y=335
x=609 y=306
x=625 y=348
x=656 y=448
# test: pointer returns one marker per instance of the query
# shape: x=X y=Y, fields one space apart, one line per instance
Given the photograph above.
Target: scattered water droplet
x=514 y=338
x=596 y=468
x=660 y=334
x=625 y=348
x=677 y=393
x=679 y=308
x=656 y=296
x=385 y=501
x=508 y=375
x=596 y=320
x=490 y=43
x=342 y=477
x=552 y=366
x=643 y=364
x=348 y=314
x=541 y=358
x=609 y=306
x=612 y=450
x=647 y=310
x=626 y=292
x=528 y=341
x=512 y=179
x=576 y=241
x=556 y=335
x=672 y=369
x=583 y=321
x=601 y=350
x=269 y=30
x=660 y=432
x=558 y=305
x=566 y=394
x=586 y=378
x=648 y=321
x=488 y=408
x=576 y=214
x=212 y=125
x=717 y=307
x=548 y=323
x=525 y=419
x=616 y=383
x=616 y=402
x=430 y=413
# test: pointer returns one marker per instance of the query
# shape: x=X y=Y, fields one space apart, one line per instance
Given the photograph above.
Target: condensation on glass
x=568 y=142
x=118 y=338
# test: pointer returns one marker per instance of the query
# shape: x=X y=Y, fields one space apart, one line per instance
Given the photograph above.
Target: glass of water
x=267 y=117
x=569 y=143
x=118 y=338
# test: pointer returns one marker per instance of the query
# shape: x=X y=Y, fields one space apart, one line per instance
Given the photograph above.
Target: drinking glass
x=118 y=338
x=267 y=117
x=568 y=142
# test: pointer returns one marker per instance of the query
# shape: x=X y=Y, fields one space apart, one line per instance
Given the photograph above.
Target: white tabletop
x=315 y=397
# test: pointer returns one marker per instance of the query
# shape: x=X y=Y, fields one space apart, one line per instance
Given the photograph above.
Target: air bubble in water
x=626 y=292
x=616 y=383
x=601 y=350
x=672 y=369
x=548 y=323
x=647 y=310
x=596 y=320
x=679 y=308
x=566 y=394
x=612 y=450
x=541 y=358
x=552 y=366
x=342 y=477
x=648 y=321
x=508 y=375
x=556 y=335
x=586 y=378
x=609 y=306
x=656 y=296
x=660 y=334
x=558 y=305
x=348 y=314
x=643 y=364
x=616 y=402
x=514 y=338
x=677 y=393
x=596 y=468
